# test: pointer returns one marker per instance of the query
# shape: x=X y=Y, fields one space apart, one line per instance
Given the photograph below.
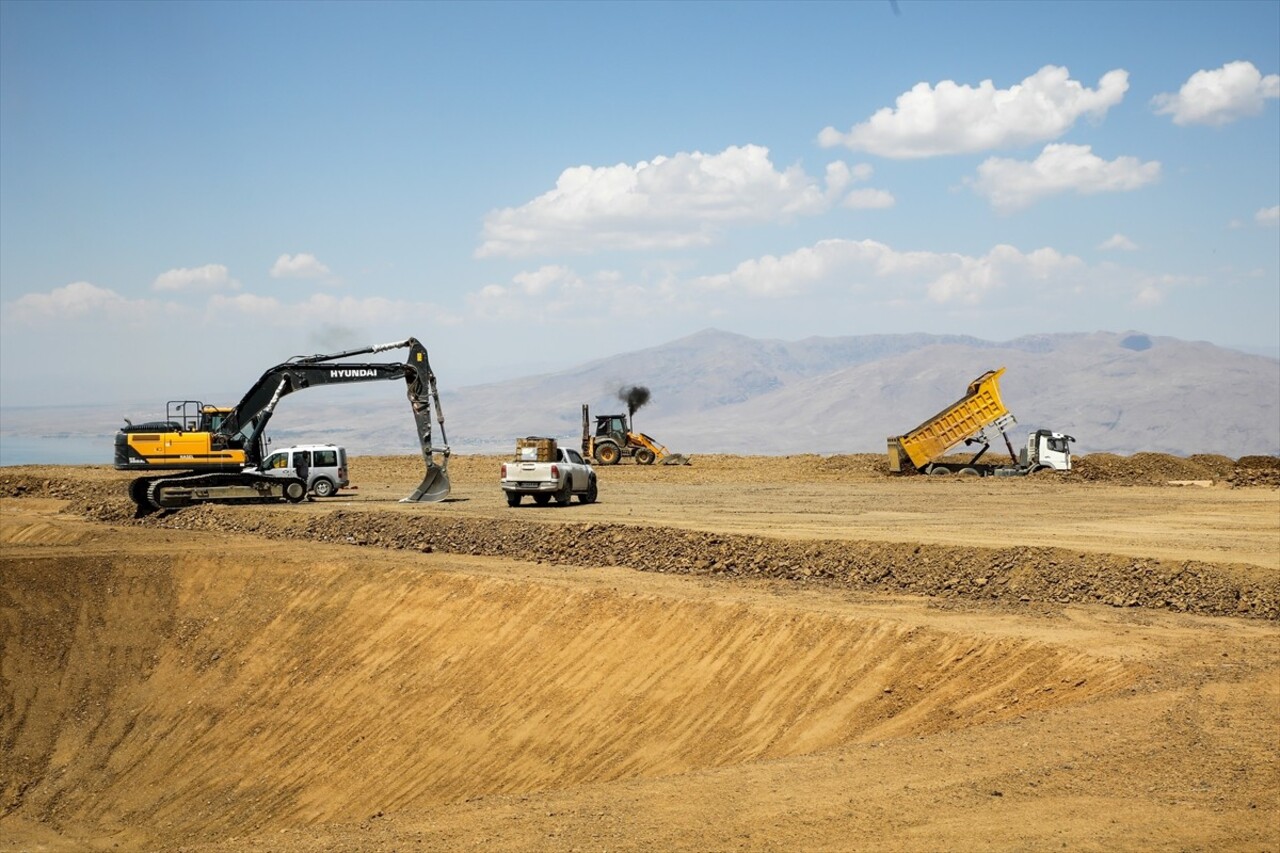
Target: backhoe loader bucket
x=675 y=459
x=435 y=485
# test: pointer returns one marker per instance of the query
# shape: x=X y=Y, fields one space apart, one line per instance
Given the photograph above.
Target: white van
x=326 y=465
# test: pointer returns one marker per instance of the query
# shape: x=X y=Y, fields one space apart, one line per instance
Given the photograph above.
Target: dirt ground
x=747 y=653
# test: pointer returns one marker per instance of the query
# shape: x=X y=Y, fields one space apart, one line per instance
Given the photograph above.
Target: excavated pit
x=161 y=696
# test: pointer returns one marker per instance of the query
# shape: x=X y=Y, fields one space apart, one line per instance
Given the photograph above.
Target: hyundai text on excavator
x=213 y=451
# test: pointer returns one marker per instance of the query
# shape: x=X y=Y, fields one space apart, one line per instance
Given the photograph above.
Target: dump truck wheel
x=968 y=472
x=939 y=472
x=644 y=456
x=608 y=454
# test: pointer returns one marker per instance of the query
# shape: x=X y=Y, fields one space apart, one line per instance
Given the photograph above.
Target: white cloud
x=868 y=199
x=1234 y=91
x=1013 y=184
x=668 y=203
x=558 y=293
x=207 y=277
x=77 y=299
x=873 y=267
x=958 y=119
x=301 y=265
x=1118 y=242
x=321 y=308
x=1268 y=216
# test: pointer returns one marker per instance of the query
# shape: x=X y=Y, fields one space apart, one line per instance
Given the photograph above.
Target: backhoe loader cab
x=612 y=426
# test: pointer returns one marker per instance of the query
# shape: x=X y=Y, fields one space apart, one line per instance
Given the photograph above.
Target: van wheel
x=323 y=487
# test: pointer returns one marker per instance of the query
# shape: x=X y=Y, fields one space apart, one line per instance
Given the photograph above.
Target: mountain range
x=719 y=392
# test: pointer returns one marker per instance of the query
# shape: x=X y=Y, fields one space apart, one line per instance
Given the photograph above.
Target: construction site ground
x=747 y=653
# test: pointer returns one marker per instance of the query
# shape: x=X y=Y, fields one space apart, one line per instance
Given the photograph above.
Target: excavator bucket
x=435 y=485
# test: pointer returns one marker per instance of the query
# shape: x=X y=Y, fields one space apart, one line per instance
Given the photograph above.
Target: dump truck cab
x=1046 y=449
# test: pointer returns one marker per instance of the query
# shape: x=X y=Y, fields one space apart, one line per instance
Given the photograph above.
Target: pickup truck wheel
x=589 y=496
x=513 y=499
x=608 y=454
x=542 y=500
x=566 y=494
x=323 y=487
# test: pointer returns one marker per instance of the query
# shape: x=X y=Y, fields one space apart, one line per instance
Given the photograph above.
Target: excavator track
x=155 y=494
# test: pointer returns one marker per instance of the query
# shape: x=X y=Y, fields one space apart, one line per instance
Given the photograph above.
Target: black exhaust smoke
x=634 y=396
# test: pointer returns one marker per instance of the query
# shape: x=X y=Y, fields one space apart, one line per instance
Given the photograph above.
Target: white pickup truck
x=567 y=476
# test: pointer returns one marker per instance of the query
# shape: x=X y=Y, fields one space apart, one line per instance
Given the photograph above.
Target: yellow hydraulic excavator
x=212 y=453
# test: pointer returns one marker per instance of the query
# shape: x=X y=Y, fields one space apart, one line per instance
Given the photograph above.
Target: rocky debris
x=1014 y=575
x=1009 y=575
x=1160 y=468
x=1255 y=471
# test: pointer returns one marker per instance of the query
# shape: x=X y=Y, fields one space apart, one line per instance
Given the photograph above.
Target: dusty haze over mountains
x=714 y=391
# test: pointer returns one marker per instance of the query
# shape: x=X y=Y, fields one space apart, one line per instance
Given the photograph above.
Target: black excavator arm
x=250 y=416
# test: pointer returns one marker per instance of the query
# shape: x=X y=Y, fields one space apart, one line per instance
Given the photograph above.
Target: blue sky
x=192 y=192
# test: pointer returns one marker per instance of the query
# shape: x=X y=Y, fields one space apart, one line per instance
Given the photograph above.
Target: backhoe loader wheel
x=608 y=454
x=644 y=456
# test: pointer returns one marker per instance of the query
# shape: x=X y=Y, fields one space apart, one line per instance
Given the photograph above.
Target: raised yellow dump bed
x=980 y=407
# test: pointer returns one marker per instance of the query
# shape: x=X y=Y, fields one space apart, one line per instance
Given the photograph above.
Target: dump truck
x=614 y=440
x=974 y=420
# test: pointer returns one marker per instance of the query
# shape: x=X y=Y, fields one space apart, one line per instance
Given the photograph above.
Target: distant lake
x=60 y=450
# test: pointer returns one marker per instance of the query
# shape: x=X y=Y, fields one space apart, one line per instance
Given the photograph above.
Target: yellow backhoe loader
x=614 y=441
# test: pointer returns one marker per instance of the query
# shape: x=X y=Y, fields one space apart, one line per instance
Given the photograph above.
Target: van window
x=325 y=458
x=301 y=458
x=276 y=460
